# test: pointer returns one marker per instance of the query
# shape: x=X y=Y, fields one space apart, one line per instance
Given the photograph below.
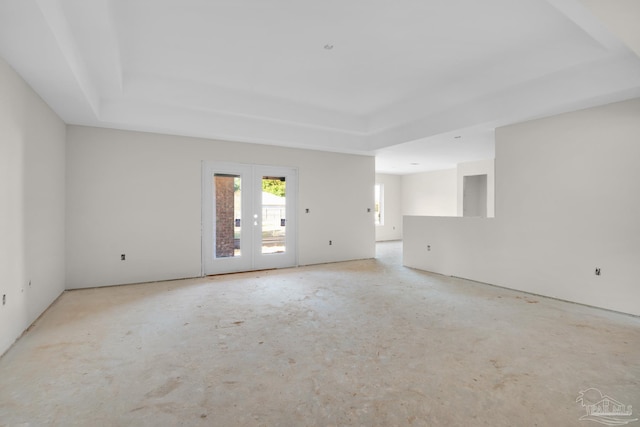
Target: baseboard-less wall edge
x=530 y=293
x=212 y=275
x=544 y=296
x=135 y=283
x=335 y=262
x=28 y=328
x=549 y=297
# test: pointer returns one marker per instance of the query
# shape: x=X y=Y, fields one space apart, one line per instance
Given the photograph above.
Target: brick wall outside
x=224 y=216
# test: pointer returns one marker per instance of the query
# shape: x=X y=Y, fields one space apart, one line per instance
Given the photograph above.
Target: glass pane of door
x=274 y=214
x=228 y=207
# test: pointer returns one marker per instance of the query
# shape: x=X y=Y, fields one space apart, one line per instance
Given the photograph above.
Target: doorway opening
x=474 y=202
x=249 y=217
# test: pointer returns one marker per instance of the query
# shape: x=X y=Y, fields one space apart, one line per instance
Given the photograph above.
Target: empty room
x=342 y=213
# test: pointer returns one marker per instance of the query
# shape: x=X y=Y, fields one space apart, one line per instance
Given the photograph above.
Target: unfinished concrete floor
x=362 y=343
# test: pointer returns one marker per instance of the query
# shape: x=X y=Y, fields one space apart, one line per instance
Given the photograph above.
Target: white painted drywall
x=481 y=167
x=567 y=201
x=430 y=193
x=32 y=203
x=392 y=227
x=140 y=194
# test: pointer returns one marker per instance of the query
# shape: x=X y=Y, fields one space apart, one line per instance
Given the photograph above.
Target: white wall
x=392 y=227
x=567 y=201
x=140 y=194
x=32 y=203
x=430 y=193
x=481 y=167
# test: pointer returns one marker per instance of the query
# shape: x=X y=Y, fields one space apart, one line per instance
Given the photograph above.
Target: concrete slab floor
x=361 y=343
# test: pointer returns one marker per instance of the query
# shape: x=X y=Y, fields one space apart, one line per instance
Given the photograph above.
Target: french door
x=249 y=217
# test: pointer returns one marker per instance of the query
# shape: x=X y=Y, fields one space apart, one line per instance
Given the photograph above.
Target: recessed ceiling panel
x=383 y=52
x=354 y=76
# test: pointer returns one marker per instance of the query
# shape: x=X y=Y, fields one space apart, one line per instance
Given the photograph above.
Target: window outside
x=379 y=204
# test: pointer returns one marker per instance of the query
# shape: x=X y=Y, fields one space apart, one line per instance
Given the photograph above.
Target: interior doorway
x=249 y=217
x=474 y=201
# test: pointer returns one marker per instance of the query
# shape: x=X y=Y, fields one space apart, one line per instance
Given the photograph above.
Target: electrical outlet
x=306 y=210
x=330 y=242
x=597 y=271
x=428 y=247
x=122 y=257
x=4 y=299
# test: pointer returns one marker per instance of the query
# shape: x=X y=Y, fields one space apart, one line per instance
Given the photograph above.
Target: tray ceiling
x=399 y=80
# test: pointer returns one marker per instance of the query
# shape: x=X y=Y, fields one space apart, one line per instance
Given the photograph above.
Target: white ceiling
x=401 y=81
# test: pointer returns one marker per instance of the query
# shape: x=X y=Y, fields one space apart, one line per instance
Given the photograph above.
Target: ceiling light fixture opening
x=328 y=46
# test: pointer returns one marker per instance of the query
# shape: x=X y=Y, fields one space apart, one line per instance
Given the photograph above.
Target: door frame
x=251 y=199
